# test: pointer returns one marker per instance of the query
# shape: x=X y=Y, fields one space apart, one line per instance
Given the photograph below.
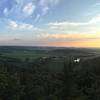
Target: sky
x=63 y=23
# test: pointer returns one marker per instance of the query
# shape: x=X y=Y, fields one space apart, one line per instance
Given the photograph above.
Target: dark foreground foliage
x=31 y=81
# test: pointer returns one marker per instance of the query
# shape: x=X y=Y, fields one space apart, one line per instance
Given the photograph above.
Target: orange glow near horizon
x=78 y=40
x=92 y=43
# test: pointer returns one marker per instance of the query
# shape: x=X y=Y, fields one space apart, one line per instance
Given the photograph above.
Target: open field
x=53 y=57
x=36 y=52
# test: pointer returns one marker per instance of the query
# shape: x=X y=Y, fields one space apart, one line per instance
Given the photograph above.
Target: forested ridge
x=27 y=80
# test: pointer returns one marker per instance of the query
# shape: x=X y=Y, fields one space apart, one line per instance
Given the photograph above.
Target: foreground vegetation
x=49 y=77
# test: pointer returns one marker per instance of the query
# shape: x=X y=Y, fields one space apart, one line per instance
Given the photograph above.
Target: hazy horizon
x=44 y=46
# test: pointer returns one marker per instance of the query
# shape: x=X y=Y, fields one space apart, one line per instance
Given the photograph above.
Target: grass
x=23 y=55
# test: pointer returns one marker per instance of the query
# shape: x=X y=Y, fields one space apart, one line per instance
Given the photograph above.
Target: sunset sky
x=65 y=23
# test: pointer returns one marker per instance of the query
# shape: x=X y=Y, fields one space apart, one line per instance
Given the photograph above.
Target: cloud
x=6 y=11
x=75 y=36
x=46 y=4
x=78 y=43
x=97 y=4
x=21 y=26
x=74 y=40
x=37 y=18
x=95 y=19
x=17 y=39
x=29 y=9
x=6 y=6
x=45 y=10
x=66 y=25
x=21 y=10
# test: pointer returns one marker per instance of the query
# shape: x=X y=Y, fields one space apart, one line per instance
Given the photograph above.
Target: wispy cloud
x=46 y=4
x=23 y=9
x=95 y=19
x=29 y=9
x=74 y=40
x=6 y=12
x=96 y=4
x=71 y=36
x=21 y=26
x=65 y=25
